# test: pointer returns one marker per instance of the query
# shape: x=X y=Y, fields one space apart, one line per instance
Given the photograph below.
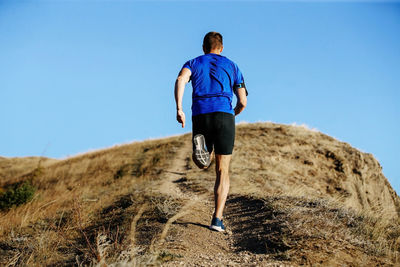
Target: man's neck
x=217 y=52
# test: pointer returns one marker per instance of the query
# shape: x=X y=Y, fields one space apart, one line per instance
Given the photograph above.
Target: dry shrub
x=164 y=207
x=16 y=194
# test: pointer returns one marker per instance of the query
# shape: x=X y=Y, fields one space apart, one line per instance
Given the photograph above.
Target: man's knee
x=222 y=164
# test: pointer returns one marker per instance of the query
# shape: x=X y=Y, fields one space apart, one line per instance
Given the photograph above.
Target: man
x=214 y=79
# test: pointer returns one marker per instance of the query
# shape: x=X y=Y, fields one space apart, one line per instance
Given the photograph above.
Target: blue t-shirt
x=214 y=78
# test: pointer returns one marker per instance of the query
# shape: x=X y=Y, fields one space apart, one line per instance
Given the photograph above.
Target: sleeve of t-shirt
x=188 y=65
x=239 y=80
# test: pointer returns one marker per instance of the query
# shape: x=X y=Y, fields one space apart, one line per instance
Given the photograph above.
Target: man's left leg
x=201 y=157
x=202 y=141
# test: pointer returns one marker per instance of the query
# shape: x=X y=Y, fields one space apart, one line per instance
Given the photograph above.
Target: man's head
x=212 y=43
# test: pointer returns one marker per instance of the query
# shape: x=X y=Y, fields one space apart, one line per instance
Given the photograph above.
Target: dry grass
x=281 y=159
x=78 y=201
x=309 y=231
x=13 y=168
x=315 y=201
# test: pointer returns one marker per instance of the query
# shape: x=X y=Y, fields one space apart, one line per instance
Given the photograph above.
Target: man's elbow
x=181 y=79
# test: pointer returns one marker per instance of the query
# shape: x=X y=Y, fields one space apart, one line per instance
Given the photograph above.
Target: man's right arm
x=181 y=81
x=241 y=100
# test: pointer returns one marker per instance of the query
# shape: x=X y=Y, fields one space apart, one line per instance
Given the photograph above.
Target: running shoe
x=217 y=225
x=200 y=154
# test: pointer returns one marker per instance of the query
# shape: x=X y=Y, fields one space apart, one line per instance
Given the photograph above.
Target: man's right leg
x=224 y=139
x=221 y=189
x=222 y=183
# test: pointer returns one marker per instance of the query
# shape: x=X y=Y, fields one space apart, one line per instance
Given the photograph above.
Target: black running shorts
x=218 y=129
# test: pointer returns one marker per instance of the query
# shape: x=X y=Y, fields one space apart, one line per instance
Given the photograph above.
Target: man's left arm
x=181 y=81
x=240 y=91
x=241 y=94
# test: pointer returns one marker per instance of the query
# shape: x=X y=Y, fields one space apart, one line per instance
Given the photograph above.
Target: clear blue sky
x=81 y=75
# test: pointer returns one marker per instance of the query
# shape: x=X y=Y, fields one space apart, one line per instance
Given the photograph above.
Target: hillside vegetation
x=298 y=197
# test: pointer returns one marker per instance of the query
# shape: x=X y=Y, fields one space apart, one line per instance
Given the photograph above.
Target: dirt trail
x=176 y=171
x=186 y=238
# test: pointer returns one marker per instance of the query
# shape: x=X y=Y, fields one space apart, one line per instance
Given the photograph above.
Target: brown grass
x=309 y=231
x=314 y=200
x=77 y=199
x=282 y=159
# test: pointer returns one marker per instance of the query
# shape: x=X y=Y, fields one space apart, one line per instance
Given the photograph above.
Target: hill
x=298 y=197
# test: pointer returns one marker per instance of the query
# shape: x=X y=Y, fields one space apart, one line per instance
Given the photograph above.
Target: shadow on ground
x=254 y=226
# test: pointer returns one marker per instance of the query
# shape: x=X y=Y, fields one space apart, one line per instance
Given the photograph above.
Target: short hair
x=212 y=40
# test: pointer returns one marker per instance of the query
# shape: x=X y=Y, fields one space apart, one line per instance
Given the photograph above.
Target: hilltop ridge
x=297 y=197
x=294 y=157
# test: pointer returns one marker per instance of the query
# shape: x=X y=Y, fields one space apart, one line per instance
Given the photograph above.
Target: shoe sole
x=216 y=228
x=200 y=152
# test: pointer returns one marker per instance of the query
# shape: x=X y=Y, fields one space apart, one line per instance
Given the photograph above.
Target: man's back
x=213 y=79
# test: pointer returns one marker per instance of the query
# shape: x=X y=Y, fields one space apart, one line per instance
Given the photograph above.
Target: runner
x=215 y=79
